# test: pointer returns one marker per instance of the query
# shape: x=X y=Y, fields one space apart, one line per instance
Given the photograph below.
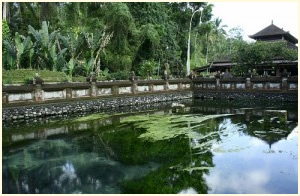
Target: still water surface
x=209 y=147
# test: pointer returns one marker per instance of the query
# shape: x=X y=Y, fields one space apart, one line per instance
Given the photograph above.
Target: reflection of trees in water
x=35 y=165
x=57 y=166
x=174 y=176
x=68 y=176
x=252 y=118
x=268 y=131
x=184 y=159
x=99 y=160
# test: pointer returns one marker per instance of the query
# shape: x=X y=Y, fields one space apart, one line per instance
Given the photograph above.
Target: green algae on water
x=164 y=127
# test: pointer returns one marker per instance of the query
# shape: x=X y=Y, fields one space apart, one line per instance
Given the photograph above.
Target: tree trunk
x=21 y=11
x=45 y=12
x=4 y=11
x=31 y=9
x=206 y=47
x=196 y=47
x=98 y=68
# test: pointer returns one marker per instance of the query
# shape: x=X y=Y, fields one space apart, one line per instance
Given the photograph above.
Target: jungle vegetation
x=114 y=39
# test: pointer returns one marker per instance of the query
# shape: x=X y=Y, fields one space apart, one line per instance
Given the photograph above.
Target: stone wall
x=124 y=109
x=29 y=101
x=247 y=84
x=247 y=96
x=43 y=110
x=45 y=93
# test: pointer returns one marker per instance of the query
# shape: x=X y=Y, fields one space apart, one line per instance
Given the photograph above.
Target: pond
x=206 y=147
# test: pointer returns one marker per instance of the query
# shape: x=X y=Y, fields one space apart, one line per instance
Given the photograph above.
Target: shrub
x=147 y=67
x=121 y=75
x=206 y=74
x=249 y=55
x=5 y=30
x=28 y=80
x=104 y=75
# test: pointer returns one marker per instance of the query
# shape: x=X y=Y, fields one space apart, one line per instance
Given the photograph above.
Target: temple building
x=271 y=33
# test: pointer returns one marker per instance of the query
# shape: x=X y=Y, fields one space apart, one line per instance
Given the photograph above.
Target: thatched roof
x=273 y=30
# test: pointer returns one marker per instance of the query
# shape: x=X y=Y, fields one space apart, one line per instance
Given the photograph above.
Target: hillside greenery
x=114 y=39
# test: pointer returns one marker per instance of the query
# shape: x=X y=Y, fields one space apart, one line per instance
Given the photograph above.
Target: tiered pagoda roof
x=272 y=32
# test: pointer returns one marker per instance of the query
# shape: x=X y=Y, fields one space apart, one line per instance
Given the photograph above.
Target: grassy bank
x=22 y=75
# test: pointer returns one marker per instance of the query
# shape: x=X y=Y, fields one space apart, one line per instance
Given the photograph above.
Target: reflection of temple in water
x=269 y=132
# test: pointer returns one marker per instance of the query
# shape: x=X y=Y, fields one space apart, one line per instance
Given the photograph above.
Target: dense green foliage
x=80 y=38
x=249 y=55
x=5 y=30
x=113 y=39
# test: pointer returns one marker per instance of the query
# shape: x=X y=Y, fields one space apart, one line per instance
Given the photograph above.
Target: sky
x=254 y=16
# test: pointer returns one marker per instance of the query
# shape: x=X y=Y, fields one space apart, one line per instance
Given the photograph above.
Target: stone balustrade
x=70 y=98
x=56 y=92
x=256 y=84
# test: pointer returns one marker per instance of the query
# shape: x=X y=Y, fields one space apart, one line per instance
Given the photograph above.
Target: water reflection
x=195 y=153
x=60 y=167
x=253 y=169
x=252 y=182
x=68 y=176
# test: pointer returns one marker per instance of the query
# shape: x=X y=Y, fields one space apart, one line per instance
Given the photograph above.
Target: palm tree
x=218 y=31
x=218 y=28
x=208 y=30
x=214 y=31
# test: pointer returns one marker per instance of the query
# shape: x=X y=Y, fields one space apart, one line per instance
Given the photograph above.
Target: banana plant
x=58 y=59
x=31 y=53
x=43 y=44
x=28 y=49
x=10 y=54
x=87 y=65
x=97 y=44
x=73 y=44
x=16 y=51
x=19 y=48
x=70 y=66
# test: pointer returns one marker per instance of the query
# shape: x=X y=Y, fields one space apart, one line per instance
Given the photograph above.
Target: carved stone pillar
x=218 y=83
x=248 y=83
x=38 y=93
x=4 y=98
x=68 y=93
x=134 y=87
x=93 y=89
x=284 y=84
x=115 y=90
